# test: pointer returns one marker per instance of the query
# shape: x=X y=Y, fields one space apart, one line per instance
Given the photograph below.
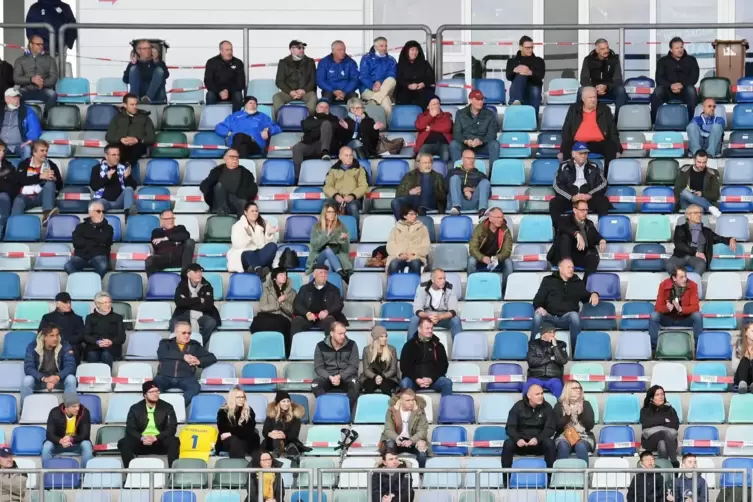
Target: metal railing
x=23 y=26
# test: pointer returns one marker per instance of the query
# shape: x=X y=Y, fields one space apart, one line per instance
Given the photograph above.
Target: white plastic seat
x=36 y=408
x=672 y=376
x=644 y=285
x=132 y=370
x=179 y=404
x=464 y=369
x=352 y=479
x=154 y=316
x=184 y=206
x=94 y=370
x=141 y=479
x=614 y=479
x=191 y=224
x=369 y=434
x=724 y=286
x=522 y=286
x=738 y=433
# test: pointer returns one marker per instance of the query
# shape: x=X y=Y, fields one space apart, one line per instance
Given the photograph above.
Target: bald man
x=530 y=428
x=346 y=183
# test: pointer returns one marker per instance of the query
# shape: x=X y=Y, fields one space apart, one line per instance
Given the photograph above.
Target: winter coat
x=586 y=419
x=146 y=70
x=64 y=358
x=711 y=184
x=567 y=229
x=533 y=62
x=278 y=487
x=413 y=72
x=92 y=239
x=246 y=431
x=418 y=424
x=293 y=75
x=9 y=179
x=172 y=364
x=220 y=75
x=468 y=178
x=412 y=179
x=526 y=422
x=564 y=180
x=105 y=327
x=12 y=485
x=469 y=126
x=558 y=297
x=647 y=487
x=352 y=181
x=176 y=239
x=270 y=304
x=56 y=13
x=420 y=359
x=28 y=175
x=6 y=77
x=596 y=71
x=405 y=238
x=671 y=71
x=111 y=185
x=291 y=428
x=573 y=120
x=422 y=301
x=28 y=66
x=370 y=372
x=399 y=484
x=245 y=237
x=185 y=304
x=329 y=361
x=312 y=131
x=375 y=69
x=30 y=129
x=545 y=360
x=71 y=326
x=164 y=419
x=249 y=124
x=246 y=190
x=333 y=301
x=442 y=124
x=138 y=126
x=683 y=489
x=57 y=421
x=338 y=241
x=332 y=76
x=689 y=301
x=478 y=240
x=683 y=239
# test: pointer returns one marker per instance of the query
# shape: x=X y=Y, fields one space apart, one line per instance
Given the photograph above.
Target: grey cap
x=70 y=399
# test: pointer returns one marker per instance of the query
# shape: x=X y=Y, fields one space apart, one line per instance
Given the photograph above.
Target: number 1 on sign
x=195 y=439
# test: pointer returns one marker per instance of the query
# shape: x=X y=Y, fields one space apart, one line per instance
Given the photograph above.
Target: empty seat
x=10 y=286
x=607 y=285
x=653 y=228
x=674 y=345
x=484 y=286
x=634 y=117
x=612 y=435
x=622 y=409
x=41 y=286
x=449 y=434
x=714 y=345
x=732 y=226
x=332 y=409
x=535 y=228
x=178 y=118
x=706 y=409
x=266 y=345
x=662 y=171
x=23 y=228
x=739 y=144
x=456 y=409
x=516 y=144
x=671 y=117
x=402 y=287
x=211 y=115
x=627 y=370
x=403 y=117
x=594 y=346
x=563 y=90
x=193 y=92
x=553 y=117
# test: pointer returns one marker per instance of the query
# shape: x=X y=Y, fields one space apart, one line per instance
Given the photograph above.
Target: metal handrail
x=47 y=26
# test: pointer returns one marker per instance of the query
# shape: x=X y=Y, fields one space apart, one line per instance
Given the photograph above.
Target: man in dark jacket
x=676 y=77
x=423 y=188
x=54 y=12
x=40 y=181
x=683 y=484
x=577 y=239
x=150 y=427
x=468 y=188
x=9 y=186
x=179 y=357
x=68 y=431
x=530 y=427
x=698 y=184
x=317 y=304
x=172 y=244
x=19 y=125
x=423 y=361
x=146 y=74
x=336 y=364
x=601 y=69
x=579 y=179
x=396 y=486
x=36 y=73
x=104 y=333
x=694 y=243
x=525 y=72
x=229 y=186
x=49 y=364
x=323 y=134
x=6 y=76
x=546 y=359
x=132 y=130
x=225 y=78
x=70 y=324
x=475 y=128
x=648 y=486
x=92 y=240
x=113 y=183
x=296 y=79
x=194 y=301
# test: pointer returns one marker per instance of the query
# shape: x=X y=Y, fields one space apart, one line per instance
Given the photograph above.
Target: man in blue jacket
x=248 y=130
x=706 y=131
x=49 y=363
x=337 y=74
x=19 y=125
x=378 y=73
x=54 y=12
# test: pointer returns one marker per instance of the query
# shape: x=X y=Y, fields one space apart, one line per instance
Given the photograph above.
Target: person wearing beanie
x=236 y=423
x=68 y=430
x=379 y=364
x=296 y=79
x=434 y=131
x=323 y=134
x=546 y=359
x=276 y=306
x=229 y=186
x=71 y=324
x=281 y=428
x=248 y=130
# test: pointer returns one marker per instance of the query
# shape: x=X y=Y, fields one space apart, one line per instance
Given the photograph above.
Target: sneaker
x=326 y=155
x=47 y=214
x=455 y=211
x=515 y=103
x=345 y=276
x=715 y=211
x=146 y=101
x=742 y=388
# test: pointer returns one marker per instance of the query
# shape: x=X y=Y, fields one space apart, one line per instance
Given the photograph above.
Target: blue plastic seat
x=41 y=286
x=23 y=228
x=553 y=117
x=603 y=309
x=741 y=139
x=470 y=345
x=743 y=95
x=84 y=285
x=110 y=85
x=726 y=311
x=153 y=199
x=671 y=117
x=615 y=228
x=528 y=480
x=290 y=117
x=218 y=261
x=621 y=409
x=736 y=191
x=593 y=346
x=492 y=88
x=308 y=206
x=742 y=117
x=267 y=346
x=701 y=433
x=635 y=308
x=627 y=369
x=27 y=440
x=277 y=172
x=535 y=228
x=456 y=409
x=203 y=409
x=735 y=479
x=93 y=403
x=520 y=315
x=622 y=191
x=139 y=228
x=500 y=369
x=508 y=172
x=669 y=138
x=484 y=286
x=633 y=346
x=390 y=172
x=641 y=82
x=298 y=228
x=314 y=172
x=455 y=229
x=548 y=144
x=616 y=434
x=367 y=287
x=515 y=138
x=15 y=343
x=255 y=370
x=211 y=115
x=606 y=284
x=161 y=286
x=730 y=225
x=332 y=409
x=210 y=139
x=162 y=172
x=394 y=310
x=60 y=228
x=606 y=496
x=197 y=170
x=452 y=95
x=488 y=433
x=371 y=409
x=649 y=265
x=736 y=172
x=658 y=207
x=222 y=370
x=449 y=434
x=402 y=287
x=68 y=85
x=79 y=171
x=404 y=118
x=58 y=151
x=711 y=369
x=196 y=96
x=706 y=408
x=626 y=172
x=543 y=171
x=62 y=480
x=519 y=118
x=569 y=91
x=8 y=408
x=10 y=286
x=244 y=287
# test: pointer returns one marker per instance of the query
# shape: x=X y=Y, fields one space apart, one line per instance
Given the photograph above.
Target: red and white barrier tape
x=705 y=443
x=93 y=380
x=617 y=446
x=566 y=44
x=176 y=90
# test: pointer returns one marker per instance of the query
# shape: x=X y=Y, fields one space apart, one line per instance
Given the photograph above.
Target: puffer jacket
x=12 y=485
x=418 y=424
x=546 y=360
x=597 y=71
x=670 y=70
x=344 y=361
x=249 y=124
x=376 y=68
x=269 y=300
x=244 y=237
x=526 y=422
x=340 y=181
x=410 y=239
x=481 y=233
x=332 y=76
x=291 y=428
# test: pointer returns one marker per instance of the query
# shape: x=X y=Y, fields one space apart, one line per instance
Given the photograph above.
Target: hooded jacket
x=333 y=301
x=105 y=327
x=408 y=238
x=573 y=120
x=418 y=424
x=293 y=75
x=413 y=72
x=12 y=484
x=442 y=124
x=64 y=358
x=28 y=66
x=595 y=71
x=352 y=181
x=546 y=360
x=332 y=76
x=564 y=180
x=29 y=125
x=56 y=13
x=535 y=63
x=57 y=420
x=567 y=229
x=329 y=361
x=482 y=232
x=9 y=179
x=111 y=185
x=220 y=75
x=683 y=239
x=412 y=179
x=558 y=297
x=421 y=359
x=291 y=428
x=28 y=175
x=647 y=487
x=711 y=185
x=71 y=326
x=688 y=302
x=172 y=364
x=92 y=239
x=376 y=68
x=399 y=484
x=249 y=124
x=270 y=304
x=164 y=419
x=278 y=487
x=246 y=431
x=245 y=237
x=671 y=71
x=204 y=301
x=527 y=422
x=447 y=303
x=312 y=127
x=469 y=126
x=338 y=241
x=246 y=190
x=139 y=126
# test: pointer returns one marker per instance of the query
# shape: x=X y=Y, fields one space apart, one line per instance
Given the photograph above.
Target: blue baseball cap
x=579 y=146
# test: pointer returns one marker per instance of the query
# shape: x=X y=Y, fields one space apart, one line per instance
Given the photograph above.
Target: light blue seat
x=521 y=286
x=625 y=172
x=196 y=96
x=84 y=285
x=486 y=479
x=314 y=172
x=377 y=228
x=42 y=286
x=91 y=151
x=110 y=85
x=139 y=228
x=259 y=370
x=263 y=89
x=706 y=408
x=196 y=171
x=58 y=151
x=403 y=117
x=452 y=95
x=280 y=145
x=304 y=345
x=469 y=345
x=371 y=408
x=236 y=315
x=101 y=480
x=484 y=286
x=266 y=345
x=122 y=263
x=218 y=370
x=203 y=409
x=21 y=260
x=535 y=228
x=521 y=250
x=543 y=171
x=503 y=198
x=622 y=409
x=445 y=480
x=508 y=172
x=211 y=115
x=738 y=171
x=721 y=249
x=553 y=117
x=730 y=225
x=634 y=117
x=515 y=143
x=212 y=256
x=153 y=316
x=450 y=257
x=709 y=369
x=495 y=408
x=117 y=408
x=666 y=142
x=11 y=376
x=738 y=433
x=227 y=346
x=726 y=311
x=569 y=86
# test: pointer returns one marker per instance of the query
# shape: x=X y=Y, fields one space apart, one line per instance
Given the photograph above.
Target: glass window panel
x=636 y=48
x=498 y=12
x=697 y=40
x=744 y=14
x=432 y=13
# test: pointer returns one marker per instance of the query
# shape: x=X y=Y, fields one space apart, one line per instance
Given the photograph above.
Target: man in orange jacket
x=676 y=305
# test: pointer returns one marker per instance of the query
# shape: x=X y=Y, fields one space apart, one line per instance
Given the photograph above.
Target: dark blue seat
x=73 y=199
x=701 y=433
x=79 y=171
x=456 y=409
x=549 y=143
x=93 y=403
x=658 y=207
x=510 y=346
x=404 y=118
x=23 y=228
x=277 y=172
x=739 y=138
x=636 y=97
x=635 y=308
x=60 y=228
x=8 y=408
x=298 y=248
x=606 y=496
x=125 y=287
x=521 y=315
x=648 y=265
x=298 y=228
x=114 y=222
x=10 y=286
x=742 y=117
x=244 y=287
x=492 y=88
x=449 y=434
x=736 y=207
x=593 y=346
x=204 y=408
x=332 y=409
x=62 y=480
x=543 y=171
x=162 y=172
x=621 y=191
x=714 y=345
x=395 y=310
x=99 y=116
x=153 y=199
x=617 y=434
x=290 y=117
x=603 y=309
x=497 y=369
x=627 y=369
x=391 y=171
x=615 y=228
x=402 y=287
x=455 y=229
x=139 y=227
x=307 y=206
x=207 y=138
x=671 y=117
x=606 y=284
x=161 y=286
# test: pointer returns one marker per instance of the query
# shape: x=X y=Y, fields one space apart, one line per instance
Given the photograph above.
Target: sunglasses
x=98 y=211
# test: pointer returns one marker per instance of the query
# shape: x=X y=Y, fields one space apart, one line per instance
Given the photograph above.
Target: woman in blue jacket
x=378 y=76
x=248 y=130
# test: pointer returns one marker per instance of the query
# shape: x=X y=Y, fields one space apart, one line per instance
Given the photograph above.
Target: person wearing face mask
x=296 y=79
x=276 y=306
x=683 y=485
x=377 y=75
x=248 y=130
x=229 y=186
x=415 y=76
x=132 y=130
x=434 y=131
x=648 y=486
x=104 y=333
x=323 y=134
x=422 y=188
x=225 y=78
x=146 y=74
x=92 y=241
x=70 y=324
x=9 y=186
x=408 y=245
x=112 y=182
x=575 y=421
x=36 y=73
x=19 y=125
x=676 y=306
x=531 y=424
x=743 y=359
x=659 y=424
x=194 y=303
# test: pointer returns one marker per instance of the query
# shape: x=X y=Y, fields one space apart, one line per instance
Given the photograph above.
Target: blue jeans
x=260 y=258
x=30 y=384
x=687 y=198
x=397 y=266
x=581 y=449
x=505 y=267
x=441 y=150
x=155 y=91
x=525 y=92
x=4 y=211
x=490 y=149
x=207 y=325
x=33 y=93
x=352 y=208
x=553 y=385
x=657 y=320
x=453 y=324
x=100 y=264
x=479 y=200
x=45 y=198
x=100 y=356
x=712 y=144
x=329 y=258
x=189 y=385
x=570 y=321
x=443 y=385
x=84 y=449
x=124 y=200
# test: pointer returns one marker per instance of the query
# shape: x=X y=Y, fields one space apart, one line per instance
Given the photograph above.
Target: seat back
x=634 y=117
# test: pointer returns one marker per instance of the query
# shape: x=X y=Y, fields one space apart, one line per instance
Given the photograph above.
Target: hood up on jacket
x=403 y=58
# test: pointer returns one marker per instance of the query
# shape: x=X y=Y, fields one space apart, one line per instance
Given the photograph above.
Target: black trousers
x=387 y=386
x=246 y=145
x=266 y=321
x=322 y=385
x=237 y=447
x=744 y=372
x=225 y=201
x=559 y=205
x=130 y=155
x=545 y=448
x=588 y=259
x=131 y=447
x=158 y=263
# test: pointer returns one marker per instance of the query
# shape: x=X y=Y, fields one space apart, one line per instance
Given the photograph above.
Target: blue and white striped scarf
x=103 y=168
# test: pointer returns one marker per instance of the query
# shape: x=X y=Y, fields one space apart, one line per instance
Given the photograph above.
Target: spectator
x=415 y=76
x=579 y=179
x=132 y=130
x=531 y=424
x=54 y=12
x=282 y=427
x=406 y=424
x=336 y=364
x=346 y=183
x=104 y=333
x=475 y=128
x=317 y=304
x=330 y=244
x=698 y=184
x=172 y=244
x=648 y=486
x=592 y=124
x=253 y=243
x=601 y=69
x=706 y=131
x=179 y=357
x=276 y=306
x=19 y=125
x=337 y=75
x=12 y=482
x=68 y=431
x=558 y=300
x=694 y=242
x=229 y=186
x=659 y=424
x=70 y=324
x=150 y=427
x=248 y=131
x=423 y=361
x=92 y=240
x=546 y=359
x=676 y=77
x=146 y=74
x=379 y=364
x=490 y=248
x=36 y=74
x=397 y=486
x=683 y=483
x=469 y=188
x=408 y=245
x=577 y=239
x=365 y=130
x=9 y=187
x=296 y=79
x=49 y=364
x=113 y=183
x=436 y=300
x=575 y=421
x=422 y=188
x=434 y=131
x=744 y=355
x=676 y=305
x=273 y=489
x=525 y=72
x=323 y=133
x=40 y=181
x=6 y=76
x=236 y=423
x=225 y=78
x=377 y=76
x=194 y=304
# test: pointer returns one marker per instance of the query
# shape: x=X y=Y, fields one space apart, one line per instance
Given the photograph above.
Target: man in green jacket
x=423 y=188
x=132 y=130
x=491 y=245
x=697 y=184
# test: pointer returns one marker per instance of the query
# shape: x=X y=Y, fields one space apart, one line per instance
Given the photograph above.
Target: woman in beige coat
x=253 y=243
x=408 y=245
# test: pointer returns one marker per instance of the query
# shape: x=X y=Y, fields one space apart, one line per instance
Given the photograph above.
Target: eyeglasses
x=233 y=156
x=184 y=332
x=98 y=211
x=528 y=46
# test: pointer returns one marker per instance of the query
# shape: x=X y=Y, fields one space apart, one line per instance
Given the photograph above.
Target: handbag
x=288 y=259
x=571 y=435
x=391 y=146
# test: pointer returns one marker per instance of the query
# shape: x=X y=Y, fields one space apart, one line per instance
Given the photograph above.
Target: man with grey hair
x=323 y=135
x=92 y=240
x=104 y=333
x=694 y=242
x=37 y=73
x=423 y=188
x=602 y=70
x=337 y=74
x=378 y=74
x=296 y=79
x=225 y=78
x=146 y=74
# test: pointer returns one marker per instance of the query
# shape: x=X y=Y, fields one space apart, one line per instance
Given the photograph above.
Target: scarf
x=194 y=315
x=582 y=230
x=357 y=120
x=194 y=289
x=103 y=168
x=100 y=312
x=574 y=409
x=677 y=292
x=296 y=58
x=695 y=232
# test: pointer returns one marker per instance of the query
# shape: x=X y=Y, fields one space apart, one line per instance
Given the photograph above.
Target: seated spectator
x=434 y=131
x=296 y=79
x=406 y=424
x=415 y=76
x=92 y=241
x=229 y=186
x=377 y=76
x=469 y=188
x=683 y=483
x=317 y=304
x=146 y=74
x=253 y=243
x=179 y=357
x=676 y=77
x=694 y=243
x=40 y=181
x=337 y=75
x=336 y=364
x=577 y=239
x=602 y=70
x=132 y=130
x=490 y=248
x=276 y=306
x=648 y=486
x=546 y=359
x=579 y=179
x=379 y=364
x=36 y=73
x=346 y=184
x=6 y=76
x=475 y=128
x=575 y=421
x=70 y=324
x=435 y=300
x=706 y=131
x=273 y=488
x=423 y=361
x=659 y=424
x=225 y=78
x=104 y=333
x=743 y=359
x=422 y=188
x=391 y=485
x=194 y=304
x=676 y=305
x=592 y=124
x=330 y=243
x=68 y=431
x=9 y=187
x=408 y=245
x=172 y=245
x=19 y=125
x=248 y=130
x=365 y=130
x=49 y=364
x=558 y=300
x=13 y=488
x=698 y=184
x=323 y=133
x=525 y=72
x=282 y=427
x=150 y=427
x=531 y=424
x=112 y=182
x=236 y=424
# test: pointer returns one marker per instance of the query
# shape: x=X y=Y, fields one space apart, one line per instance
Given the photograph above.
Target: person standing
x=225 y=78
x=296 y=79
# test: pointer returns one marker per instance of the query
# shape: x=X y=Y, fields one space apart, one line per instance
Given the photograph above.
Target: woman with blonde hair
x=379 y=364
x=282 y=427
x=236 y=424
x=575 y=421
x=744 y=355
x=330 y=243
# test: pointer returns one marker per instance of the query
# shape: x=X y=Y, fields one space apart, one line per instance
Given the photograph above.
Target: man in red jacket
x=676 y=305
x=434 y=131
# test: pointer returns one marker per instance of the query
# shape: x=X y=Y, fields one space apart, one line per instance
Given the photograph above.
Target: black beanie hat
x=281 y=394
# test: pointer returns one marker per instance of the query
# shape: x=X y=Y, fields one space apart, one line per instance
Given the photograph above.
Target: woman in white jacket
x=253 y=243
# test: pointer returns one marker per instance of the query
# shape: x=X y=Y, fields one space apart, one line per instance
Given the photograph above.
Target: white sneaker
x=715 y=211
